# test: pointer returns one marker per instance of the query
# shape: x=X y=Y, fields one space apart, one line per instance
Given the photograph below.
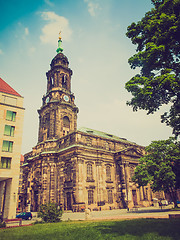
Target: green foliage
x=50 y=212
x=160 y=167
x=158 y=55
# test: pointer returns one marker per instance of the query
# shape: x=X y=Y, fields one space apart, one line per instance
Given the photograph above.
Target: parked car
x=24 y=215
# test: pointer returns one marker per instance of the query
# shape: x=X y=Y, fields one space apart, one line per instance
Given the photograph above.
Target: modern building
x=11 y=129
x=81 y=168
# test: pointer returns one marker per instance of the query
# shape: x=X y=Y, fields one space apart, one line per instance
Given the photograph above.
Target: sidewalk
x=148 y=212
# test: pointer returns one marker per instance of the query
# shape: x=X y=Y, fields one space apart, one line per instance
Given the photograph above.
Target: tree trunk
x=173 y=195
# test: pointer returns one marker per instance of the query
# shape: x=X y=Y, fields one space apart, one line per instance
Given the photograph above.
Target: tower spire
x=59 y=49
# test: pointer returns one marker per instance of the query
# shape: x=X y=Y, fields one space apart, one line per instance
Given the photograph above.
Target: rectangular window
x=7 y=146
x=90 y=197
x=108 y=173
x=145 y=193
x=9 y=130
x=5 y=162
x=110 y=197
x=11 y=116
x=89 y=172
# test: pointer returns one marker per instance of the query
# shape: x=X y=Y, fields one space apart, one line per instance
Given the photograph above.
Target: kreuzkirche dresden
x=78 y=168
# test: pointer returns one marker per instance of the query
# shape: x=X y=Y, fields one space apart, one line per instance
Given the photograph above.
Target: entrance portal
x=69 y=205
x=35 y=201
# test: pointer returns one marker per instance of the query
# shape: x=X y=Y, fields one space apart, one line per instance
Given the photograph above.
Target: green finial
x=59 y=49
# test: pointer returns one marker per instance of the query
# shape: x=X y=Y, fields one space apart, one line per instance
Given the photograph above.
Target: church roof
x=5 y=88
x=103 y=134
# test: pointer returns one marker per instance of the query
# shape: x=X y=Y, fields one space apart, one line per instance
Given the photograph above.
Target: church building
x=78 y=168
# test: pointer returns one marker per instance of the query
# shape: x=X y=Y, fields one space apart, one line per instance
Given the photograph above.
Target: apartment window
x=108 y=173
x=90 y=197
x=7 y=146
x=5 y=162
x=9 y=130
x=110 y=196
x=89 y=172
x=11 y=116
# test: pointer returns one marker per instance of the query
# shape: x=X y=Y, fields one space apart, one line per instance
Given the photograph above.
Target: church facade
x=81 y=168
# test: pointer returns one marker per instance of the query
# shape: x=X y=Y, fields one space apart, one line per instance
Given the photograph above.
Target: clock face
x=66 y=98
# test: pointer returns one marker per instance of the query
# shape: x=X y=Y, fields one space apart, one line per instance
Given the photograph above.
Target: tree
x=160 y=167
x=50 y=212
x=158 y=55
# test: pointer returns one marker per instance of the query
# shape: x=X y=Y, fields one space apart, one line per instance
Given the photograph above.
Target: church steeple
x=58 y=114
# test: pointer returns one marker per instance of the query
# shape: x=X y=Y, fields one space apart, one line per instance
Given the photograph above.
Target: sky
x=95 y=42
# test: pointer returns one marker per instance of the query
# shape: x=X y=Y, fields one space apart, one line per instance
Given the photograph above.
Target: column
x=52 y=124
x=1 y=194
x=10 y=198
x=99 y=182
x=44 y=184
x=52 y=184
x=80 y=173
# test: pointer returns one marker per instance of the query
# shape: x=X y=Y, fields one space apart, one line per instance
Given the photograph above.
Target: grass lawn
x=147 y=229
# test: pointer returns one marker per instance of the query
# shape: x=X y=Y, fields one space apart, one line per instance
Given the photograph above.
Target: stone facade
x=82 y=168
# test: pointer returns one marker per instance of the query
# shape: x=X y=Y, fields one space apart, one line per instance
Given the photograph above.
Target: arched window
x=64 y=81
x=66 y=122
x=110 y=196
x=89 y=172
x=66 y=125
x=90 y=197
x=37 y=174
x=52 y=81
x=108 y=173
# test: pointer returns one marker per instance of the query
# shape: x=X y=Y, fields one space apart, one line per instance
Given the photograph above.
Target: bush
x=50 y=212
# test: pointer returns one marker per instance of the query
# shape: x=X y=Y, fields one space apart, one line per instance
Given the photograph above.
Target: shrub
x=50 y=212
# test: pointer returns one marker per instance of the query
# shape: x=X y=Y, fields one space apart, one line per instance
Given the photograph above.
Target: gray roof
x=103 y=134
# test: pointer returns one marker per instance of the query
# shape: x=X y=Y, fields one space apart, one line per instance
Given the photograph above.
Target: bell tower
x=58 y=113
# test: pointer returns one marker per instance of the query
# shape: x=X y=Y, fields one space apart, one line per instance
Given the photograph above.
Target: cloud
x=49 y=3
x=55 y=24
x=25 y=33
x=26 y=30
x=21 y=32
x=93 y=7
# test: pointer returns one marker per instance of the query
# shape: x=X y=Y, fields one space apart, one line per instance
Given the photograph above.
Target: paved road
x=150 y=212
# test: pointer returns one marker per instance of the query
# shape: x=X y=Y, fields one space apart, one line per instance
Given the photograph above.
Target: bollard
x=87 y=214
